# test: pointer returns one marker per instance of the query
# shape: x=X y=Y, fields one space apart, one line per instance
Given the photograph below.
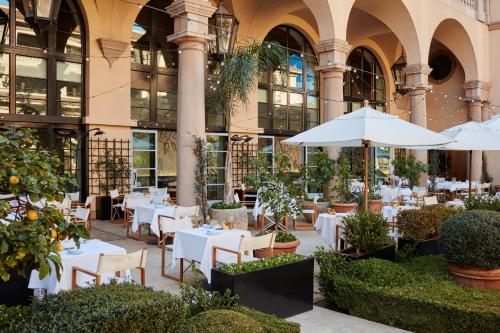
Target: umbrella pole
x=470 y=173
x=366 y=175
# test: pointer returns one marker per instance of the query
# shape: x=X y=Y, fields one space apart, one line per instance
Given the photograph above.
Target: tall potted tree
x=344 y=201
x=200 y=175
x=237 y=78
x=409 y=167
x=30 y=234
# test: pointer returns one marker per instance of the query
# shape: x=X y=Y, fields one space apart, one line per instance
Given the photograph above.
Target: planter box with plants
x=285 y=242
x=470 y=241
x=368 y=235
x=281 y=285
x=420 y=228
x=234 y=212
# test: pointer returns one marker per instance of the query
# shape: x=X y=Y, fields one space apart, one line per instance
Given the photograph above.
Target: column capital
x=476 y=89
x=190 y=20
x=417 y=76
x=333 y=55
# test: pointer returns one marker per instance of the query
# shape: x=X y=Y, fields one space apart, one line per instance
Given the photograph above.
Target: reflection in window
x=154 y=64
x=367 y=83
x=216 y=151
x=69 y=88
x=144 y=158
x=294 y=89
x=4 y=83
x=31 y=85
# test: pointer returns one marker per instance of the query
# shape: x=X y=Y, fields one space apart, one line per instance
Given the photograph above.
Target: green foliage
x=418 y=295
x=366 y=231
x=407 y=252
x=26 y=241
x=424 y=223
x=434 y=164
x=198 y=300
x=342 y=186
x=250 y=266
x=222 y=321
x=270 y=323
x=281 y=236
x=319 y=170
x=10 y=316
x=114 y=171
x=485 y=176
x=483 y=203
x=223 y=205
x=472 y=238
x=409 y=167
x=106 y=308
x=201 y=174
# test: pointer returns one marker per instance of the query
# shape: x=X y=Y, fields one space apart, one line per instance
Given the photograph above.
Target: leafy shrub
x=472 y=238
x=366 y=231
x=281 y=236
x=424 y=223
x=106 y=308
x=270 y=323
x=250 y=266
x=425 y=299
x=10 y=316
x=483 y=203
x=407 y=166
x=229 y=205
x=222 y=321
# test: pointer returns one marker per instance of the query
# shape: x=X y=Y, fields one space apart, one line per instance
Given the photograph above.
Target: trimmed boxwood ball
x=221 y=321
x=472 y=239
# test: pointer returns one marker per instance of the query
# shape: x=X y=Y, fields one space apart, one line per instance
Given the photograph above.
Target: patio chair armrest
x=214 y=254
x=85 y=271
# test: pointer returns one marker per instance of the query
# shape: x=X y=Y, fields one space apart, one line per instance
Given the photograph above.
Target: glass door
x=144 y=163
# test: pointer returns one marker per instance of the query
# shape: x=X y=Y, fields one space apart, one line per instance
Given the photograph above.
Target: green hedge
x=221 y=321
x=419 y=295
x=472 y=238
x=483 y=203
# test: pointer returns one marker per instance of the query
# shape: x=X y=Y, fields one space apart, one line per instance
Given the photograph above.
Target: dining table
x=86 y=257
x=326 y=225
x=148 y=214
x=195 y=245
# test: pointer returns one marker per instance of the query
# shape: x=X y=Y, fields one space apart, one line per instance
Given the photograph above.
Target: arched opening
x=153 y=92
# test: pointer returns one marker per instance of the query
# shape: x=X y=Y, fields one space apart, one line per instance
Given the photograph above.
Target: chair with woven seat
x=245 y=250
x=116 y=204
x=114 y=263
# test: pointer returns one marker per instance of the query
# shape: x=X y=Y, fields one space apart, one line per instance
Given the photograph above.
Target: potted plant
x=281 y=285
x=30 y=234
x=113 y=173
x=230 y=212
x=344 y=200
x=470 y=241
x=420 y=228
x=285 y=242
x=368 y=235
x=408 y=167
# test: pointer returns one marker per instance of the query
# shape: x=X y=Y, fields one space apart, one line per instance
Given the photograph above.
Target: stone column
x=192 y=38
x=476 y=92
x=333 y=54
x=486 y=111
x=417 y=79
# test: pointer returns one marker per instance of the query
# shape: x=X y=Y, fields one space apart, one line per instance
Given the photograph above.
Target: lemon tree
x=30 y=236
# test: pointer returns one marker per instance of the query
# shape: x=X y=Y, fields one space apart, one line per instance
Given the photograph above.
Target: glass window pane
x=4 y=22
x=141 y=42
x=140 y=100
x=69 y=37
x=312 y=112
x=296 y=112
x=296 y=70
x=31 y=85
x=143 y=141
x=145 y=178
x=143 y=159
x=279 y=110
x=263 y=96
x=4 y=83
x=69 y=86
x=25 y=35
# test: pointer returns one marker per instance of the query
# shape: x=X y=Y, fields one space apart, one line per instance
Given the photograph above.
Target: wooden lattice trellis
x=109 y=166
x=242 y=153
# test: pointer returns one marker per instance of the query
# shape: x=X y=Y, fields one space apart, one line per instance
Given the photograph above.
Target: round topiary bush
x=472 y=239
x=222 y=321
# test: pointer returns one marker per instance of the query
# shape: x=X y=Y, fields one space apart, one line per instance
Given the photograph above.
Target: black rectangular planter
x=387 y=252
x=428 y=247
x=284 y=290
x=103 y=207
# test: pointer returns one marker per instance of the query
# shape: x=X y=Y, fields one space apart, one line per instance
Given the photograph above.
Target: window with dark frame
x=288 y=97
x=154 y=69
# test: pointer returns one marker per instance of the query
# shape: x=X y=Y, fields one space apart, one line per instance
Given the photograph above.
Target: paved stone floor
x=317 y=320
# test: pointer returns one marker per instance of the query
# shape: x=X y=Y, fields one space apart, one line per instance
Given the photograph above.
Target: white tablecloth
x=196 y=245
x=454 y=186
x=88 y=259
x=326 y=226
x=389 y=212
x=148 y=214
x=457 y=203
x=394 y=194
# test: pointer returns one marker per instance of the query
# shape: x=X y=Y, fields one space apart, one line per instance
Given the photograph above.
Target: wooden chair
x=338 y=231
x=129 y=208
x=115 y=263
x=314 y=212
x=430 y=201
x=82 y=215
x=192 y=211
x=244 y=252
x=116 y=205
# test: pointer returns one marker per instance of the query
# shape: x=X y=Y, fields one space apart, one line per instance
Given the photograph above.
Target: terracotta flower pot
x=375 y=206
x=289 y=247
x=344 y=208
x=475 y=277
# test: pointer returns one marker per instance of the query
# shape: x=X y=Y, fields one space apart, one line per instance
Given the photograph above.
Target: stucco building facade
x=141 y=74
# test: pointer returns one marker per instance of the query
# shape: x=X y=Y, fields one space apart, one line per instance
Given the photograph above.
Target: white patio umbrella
x=366 y=128
x=493 y=122
x=472 y=136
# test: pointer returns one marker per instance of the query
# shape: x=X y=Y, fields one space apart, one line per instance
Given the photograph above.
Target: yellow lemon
x=53 y=233
x=32 y=215
x=20 y=254
x=59 y=247
x=62 y=237
x=13 y=180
